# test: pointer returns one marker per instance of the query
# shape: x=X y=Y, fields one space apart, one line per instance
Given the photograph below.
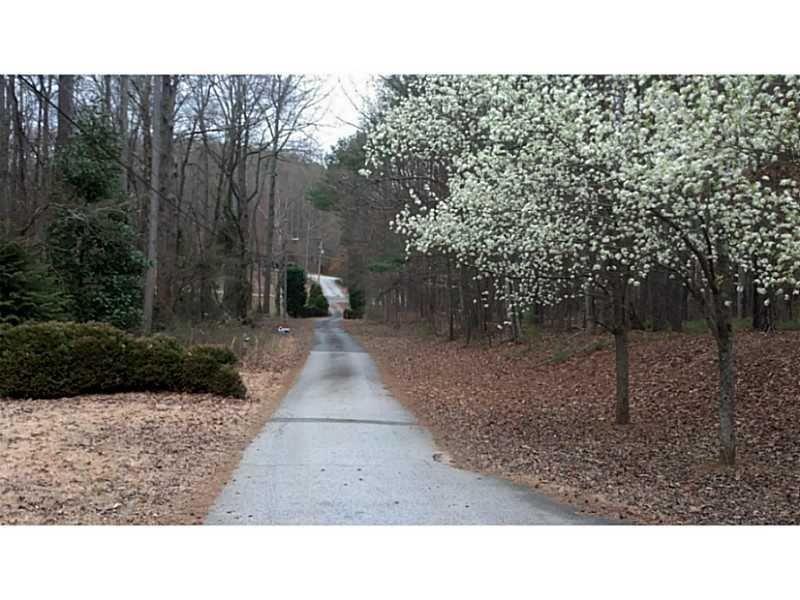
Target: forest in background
x=139 y=199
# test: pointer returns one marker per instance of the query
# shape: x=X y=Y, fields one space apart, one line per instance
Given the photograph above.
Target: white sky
x=347 y=95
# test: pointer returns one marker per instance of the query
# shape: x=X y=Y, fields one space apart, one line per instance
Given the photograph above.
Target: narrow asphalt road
x=340 y=450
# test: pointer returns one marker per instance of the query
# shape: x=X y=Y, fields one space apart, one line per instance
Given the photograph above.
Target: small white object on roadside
x=283 y=330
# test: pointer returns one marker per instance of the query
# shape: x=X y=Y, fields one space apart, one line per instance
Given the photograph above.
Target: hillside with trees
x=154 y=198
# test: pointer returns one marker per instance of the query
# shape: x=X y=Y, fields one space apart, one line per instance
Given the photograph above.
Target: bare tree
x=4 y=145
x=152 y=226
x=66 y=108
x=294 y=102
x=122 y=124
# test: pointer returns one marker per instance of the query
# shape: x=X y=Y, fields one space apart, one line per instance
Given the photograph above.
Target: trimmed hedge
x=219 y=354
x=55 y=359
x=202 y=373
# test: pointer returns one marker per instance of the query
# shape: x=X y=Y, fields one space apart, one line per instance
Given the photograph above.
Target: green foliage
x=793 y=325
x=387 y=264
x=87 y=162
x=52 y=359
x=357 y=304
x=348 y=153
x=295 y=290
x=154 y=363
x=93 y=251
x=700 y=326
x=27 y=291
x=696 y=326
x=322 y=196
x=317 y=305
x=219 y=354
x=202 y=373
x=345 y=160
x=57 y=359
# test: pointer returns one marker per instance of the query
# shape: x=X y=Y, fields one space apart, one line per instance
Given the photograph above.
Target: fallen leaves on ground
x=134 y=458
x=512 y=410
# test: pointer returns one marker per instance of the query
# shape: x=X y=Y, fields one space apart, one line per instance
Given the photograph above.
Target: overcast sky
x=347 y=96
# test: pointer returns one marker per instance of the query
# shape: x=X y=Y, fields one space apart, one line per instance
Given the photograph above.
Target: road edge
x=599 y=509
x=201 y=504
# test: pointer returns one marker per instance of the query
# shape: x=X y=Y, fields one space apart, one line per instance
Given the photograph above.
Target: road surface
x=340 y=450
x=334 y=292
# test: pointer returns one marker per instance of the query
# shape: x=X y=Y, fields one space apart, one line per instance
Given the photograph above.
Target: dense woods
x=488 y=205
x=142 y=199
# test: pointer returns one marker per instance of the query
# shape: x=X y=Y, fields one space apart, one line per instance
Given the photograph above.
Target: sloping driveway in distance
x=341 y=450
x=336 y=296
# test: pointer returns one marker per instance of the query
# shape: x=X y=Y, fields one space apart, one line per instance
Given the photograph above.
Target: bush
x=49 y=360
x=295 y=290
x=317 y=305
x=52 y=360
x=202 y=373
x=155 y=363
x=313 y=311
x=27 y=291
x=219 y=354
x=357 y=302
x=93 y=251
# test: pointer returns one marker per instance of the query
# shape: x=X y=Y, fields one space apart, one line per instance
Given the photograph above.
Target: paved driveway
x=341 y=450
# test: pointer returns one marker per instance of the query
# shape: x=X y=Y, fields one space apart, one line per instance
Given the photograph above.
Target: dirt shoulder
x=144 y=458
x=542 y=415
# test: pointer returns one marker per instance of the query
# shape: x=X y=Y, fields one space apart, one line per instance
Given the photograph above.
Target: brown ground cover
x=139 y=458
x=543 y=414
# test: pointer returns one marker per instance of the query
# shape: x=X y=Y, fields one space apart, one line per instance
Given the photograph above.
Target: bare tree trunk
x=152 y=225
x=107 y=97
x=451 y=335
x=727 y=391
x=66 y=109
x=623 y=414
x=4 y=145
x=146 y=120
x=588 y=308
x=720 y=304
x=244 y=293
x=123 y=134
x=740 y=294
x=20 y=187
x=270 y=233
x=622 y=359
x=45 y=138
x=169 y=217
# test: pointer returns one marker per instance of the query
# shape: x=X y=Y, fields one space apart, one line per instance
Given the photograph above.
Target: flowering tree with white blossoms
x=716 y=203
x=421 y=132
x=597 y=180
x=538 y=203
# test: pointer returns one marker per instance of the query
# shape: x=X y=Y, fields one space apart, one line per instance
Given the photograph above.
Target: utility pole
x=319 y=261
x=152 y=225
